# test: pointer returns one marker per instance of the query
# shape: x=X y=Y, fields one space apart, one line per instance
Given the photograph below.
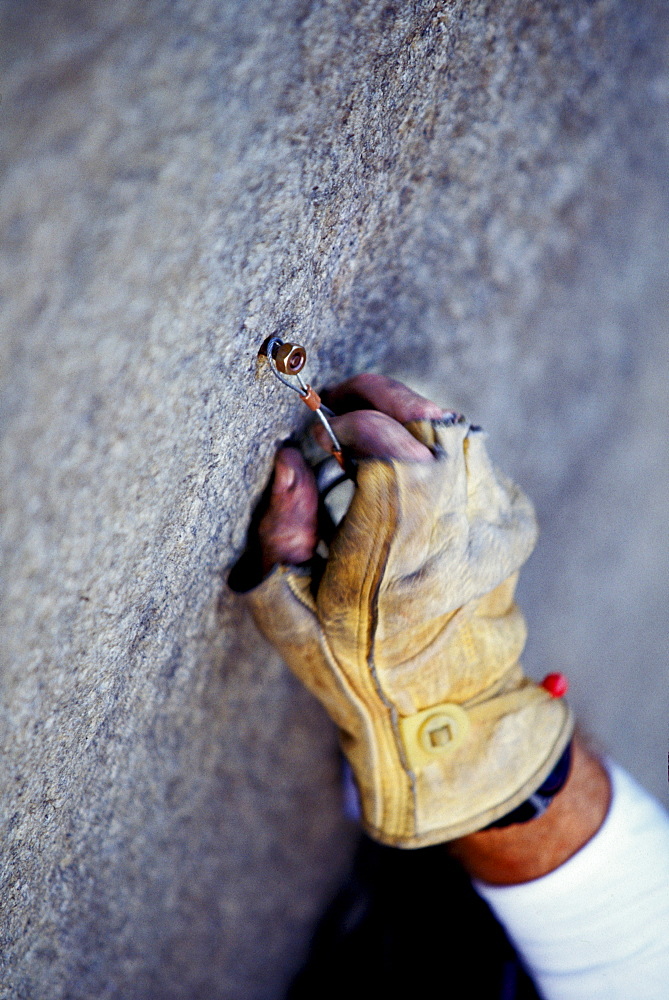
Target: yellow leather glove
x=412 y=642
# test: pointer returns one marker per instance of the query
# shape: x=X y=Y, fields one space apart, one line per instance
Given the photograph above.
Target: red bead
x=557 y=685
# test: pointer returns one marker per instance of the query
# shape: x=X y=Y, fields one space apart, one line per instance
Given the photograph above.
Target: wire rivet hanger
x=287 y=361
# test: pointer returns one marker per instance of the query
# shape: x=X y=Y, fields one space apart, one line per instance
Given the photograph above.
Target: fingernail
x=284 y=477
x=452 y=417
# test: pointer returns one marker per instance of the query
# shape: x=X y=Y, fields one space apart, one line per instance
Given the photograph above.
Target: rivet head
x=290 y=358
x=443 y=731
x=433 y=734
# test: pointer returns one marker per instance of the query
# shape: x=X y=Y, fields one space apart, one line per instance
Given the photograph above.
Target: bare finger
x=287 y=532
x=370 y=434
x=384 y=394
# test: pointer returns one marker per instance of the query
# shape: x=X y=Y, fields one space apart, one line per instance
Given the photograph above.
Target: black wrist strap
x=537 y=804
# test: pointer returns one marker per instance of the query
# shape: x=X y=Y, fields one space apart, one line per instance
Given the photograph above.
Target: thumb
x=288 y=529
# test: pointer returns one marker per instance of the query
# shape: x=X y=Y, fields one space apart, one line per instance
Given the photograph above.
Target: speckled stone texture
x=470 y=195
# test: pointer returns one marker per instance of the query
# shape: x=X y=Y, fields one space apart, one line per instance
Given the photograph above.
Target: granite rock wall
x=469 y=195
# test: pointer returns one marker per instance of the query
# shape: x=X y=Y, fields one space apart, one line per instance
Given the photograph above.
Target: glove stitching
x=373 y=626
x=290 y=576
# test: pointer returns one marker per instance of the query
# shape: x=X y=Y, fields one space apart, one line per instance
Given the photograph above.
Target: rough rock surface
x=472 y=195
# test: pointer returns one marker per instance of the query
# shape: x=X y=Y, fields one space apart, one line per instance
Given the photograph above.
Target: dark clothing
x=408 y=924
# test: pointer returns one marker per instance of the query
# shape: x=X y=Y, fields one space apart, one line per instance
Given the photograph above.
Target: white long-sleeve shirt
x=598 y=926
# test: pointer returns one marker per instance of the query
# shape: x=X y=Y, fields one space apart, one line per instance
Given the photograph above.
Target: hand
x=432 y=635
x=372 y=409
x=409 y=634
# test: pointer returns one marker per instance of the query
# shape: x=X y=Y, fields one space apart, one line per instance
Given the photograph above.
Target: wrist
x=525 y=851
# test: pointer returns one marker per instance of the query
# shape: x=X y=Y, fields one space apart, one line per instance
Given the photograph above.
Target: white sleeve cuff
x=598 y=926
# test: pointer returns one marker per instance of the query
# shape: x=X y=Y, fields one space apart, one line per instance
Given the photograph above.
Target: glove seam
x=371 y=663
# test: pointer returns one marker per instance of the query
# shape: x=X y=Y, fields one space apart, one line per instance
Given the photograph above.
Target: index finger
x=378 y=392
x=371 y=434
